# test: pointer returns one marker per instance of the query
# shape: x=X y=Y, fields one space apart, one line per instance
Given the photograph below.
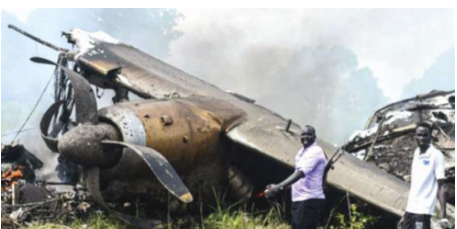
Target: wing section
x=140 y=73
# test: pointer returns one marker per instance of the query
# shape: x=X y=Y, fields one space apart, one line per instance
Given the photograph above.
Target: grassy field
x=221 y=216
x=219 y=219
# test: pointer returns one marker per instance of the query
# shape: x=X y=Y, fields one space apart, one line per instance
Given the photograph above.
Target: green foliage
x=99 y=221
x=242 y=220
x=357 y=220
x=237 y=217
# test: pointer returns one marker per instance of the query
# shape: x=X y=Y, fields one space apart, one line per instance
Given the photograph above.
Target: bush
x=356 y=220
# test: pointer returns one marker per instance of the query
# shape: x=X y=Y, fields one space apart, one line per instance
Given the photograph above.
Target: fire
x=259 y=194
x=11 y=176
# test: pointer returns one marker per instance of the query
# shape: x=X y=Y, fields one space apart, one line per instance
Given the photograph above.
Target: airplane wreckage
x=189 y=139
x=388 y=138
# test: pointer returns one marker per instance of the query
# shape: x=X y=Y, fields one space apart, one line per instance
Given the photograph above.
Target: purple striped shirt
x=311 y=161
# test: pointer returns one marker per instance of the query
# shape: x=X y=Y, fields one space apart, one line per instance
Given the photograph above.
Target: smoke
x=440 y=76
x=396 y=44
x=327 y=68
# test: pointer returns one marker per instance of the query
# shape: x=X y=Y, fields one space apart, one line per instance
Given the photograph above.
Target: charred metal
x=388 y=139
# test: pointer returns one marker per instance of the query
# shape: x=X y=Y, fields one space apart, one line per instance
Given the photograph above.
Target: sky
x=327 y=67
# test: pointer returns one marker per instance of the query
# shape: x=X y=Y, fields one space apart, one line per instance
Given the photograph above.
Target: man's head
x=308 y=136
x=423 y=134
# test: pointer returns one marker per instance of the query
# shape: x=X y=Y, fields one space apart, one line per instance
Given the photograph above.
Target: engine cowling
x=185 y=131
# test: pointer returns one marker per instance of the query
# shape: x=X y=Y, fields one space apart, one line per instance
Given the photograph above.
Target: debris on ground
x=26 y=203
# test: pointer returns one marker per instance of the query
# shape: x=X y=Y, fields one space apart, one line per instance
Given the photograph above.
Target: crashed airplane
x=185 y=137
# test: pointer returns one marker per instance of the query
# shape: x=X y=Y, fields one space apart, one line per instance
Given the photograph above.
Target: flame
x=11 y=177
x=260 y=194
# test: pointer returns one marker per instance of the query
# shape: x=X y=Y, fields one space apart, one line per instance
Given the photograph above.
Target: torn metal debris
x=40 y=203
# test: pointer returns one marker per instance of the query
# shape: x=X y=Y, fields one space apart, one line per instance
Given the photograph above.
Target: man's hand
x=400 y=223
x=272 y=190
x=444 y=223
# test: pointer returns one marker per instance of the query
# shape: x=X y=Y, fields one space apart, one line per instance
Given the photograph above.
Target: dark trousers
x=415 y=221
x=306 y=214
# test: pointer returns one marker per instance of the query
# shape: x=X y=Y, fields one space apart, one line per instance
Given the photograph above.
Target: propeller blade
x=85 y=103
x=93 y=185
x=163 y=170
x=40 y=60
x=51 y=142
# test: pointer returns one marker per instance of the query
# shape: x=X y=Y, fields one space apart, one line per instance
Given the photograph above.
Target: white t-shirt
x=427 y=169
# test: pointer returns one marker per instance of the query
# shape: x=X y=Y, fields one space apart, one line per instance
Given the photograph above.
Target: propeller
x=163 y=170
x=51 y=142
x=85 y=144
x=40 y=60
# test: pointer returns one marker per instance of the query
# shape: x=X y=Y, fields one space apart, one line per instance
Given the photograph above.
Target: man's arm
x=441 y=178
x=442 y=197
x=274 y=189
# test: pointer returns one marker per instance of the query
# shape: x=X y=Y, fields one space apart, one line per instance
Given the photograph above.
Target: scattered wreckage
x=25 y=200
x=184 y=141
x=40 y=203
x=388 y=139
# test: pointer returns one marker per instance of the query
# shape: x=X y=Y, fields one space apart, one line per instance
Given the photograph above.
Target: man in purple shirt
x=307 y=193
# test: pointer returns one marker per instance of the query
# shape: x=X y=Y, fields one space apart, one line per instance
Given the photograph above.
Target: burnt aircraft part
x=395 y=145
x=240 y=185
x=40 y=60
x=200 y=120
x=127 y=122
x=452 y=101
x=393 y=149
x=45 y=123
x=93 y=185
x=164 y=172
x=37 y=39
x=86 y=105
x=82 y=145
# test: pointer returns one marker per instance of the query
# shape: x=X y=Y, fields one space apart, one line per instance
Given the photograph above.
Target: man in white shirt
x=427 y=183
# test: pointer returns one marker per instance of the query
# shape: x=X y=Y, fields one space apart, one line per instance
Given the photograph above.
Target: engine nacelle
x=185 y=131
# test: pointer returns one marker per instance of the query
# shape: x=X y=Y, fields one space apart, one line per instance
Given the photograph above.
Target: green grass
x=221 y=217
x=239 y=219
x=218 y=220
x=98 y=221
